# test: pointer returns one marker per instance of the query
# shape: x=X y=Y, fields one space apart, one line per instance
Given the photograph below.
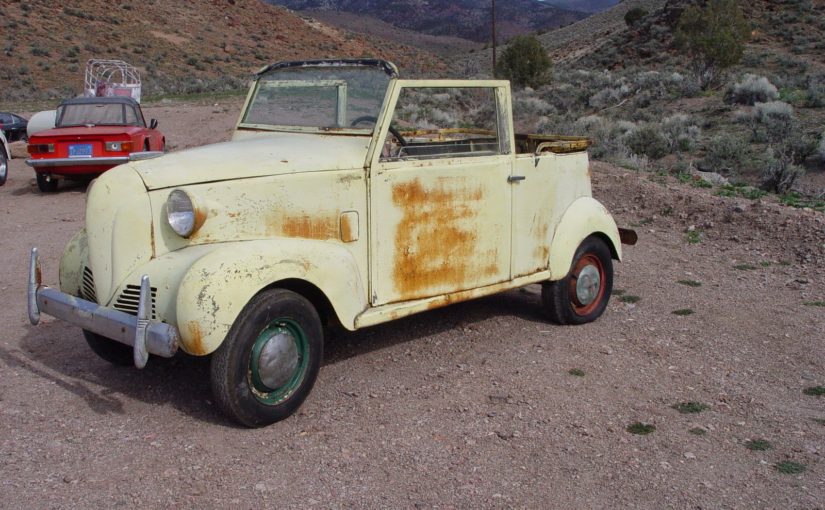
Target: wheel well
x=613 y=253
x=146 y=144
x=315 y=296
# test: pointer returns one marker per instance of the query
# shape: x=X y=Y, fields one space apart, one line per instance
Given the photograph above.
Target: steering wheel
x=370 y=118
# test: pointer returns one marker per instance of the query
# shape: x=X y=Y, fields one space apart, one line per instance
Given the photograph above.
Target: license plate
x=80 y=150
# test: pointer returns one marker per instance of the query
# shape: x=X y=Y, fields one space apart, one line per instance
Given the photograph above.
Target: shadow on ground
x=57 y=352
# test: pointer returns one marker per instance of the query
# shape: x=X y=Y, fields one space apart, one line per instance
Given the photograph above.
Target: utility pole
x=493 y=16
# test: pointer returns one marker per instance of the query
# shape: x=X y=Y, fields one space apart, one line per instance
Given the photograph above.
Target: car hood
x=91 y=131
x=258 y=156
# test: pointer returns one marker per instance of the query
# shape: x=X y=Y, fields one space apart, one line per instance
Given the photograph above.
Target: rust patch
x=349 y=226
x=195 y=340
x=308 y=227
x=436 y=241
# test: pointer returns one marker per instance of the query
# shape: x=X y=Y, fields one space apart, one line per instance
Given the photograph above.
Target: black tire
x=560 y=300
x=292 y=323
x=4 y=166
x=46 y=183
x=110 y=350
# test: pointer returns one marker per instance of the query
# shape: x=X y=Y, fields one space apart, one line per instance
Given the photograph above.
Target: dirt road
x=468 y=406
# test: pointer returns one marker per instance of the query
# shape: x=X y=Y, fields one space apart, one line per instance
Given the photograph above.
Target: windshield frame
x=263 y=80
x=140 y=121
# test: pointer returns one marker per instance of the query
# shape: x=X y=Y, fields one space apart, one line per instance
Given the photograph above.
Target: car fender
x=216 y=288
x=75 y=257
x=584 y=217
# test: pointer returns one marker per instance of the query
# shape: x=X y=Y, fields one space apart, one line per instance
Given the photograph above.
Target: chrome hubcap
x=278 y=360
x=587 y=284
x=3 y=167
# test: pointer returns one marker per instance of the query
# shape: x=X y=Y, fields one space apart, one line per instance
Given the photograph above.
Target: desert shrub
x=816 y=92
x=525 y=62
x=609 y=96
x=634 y=15
x=681 y=134
x=780 y=172
x=821 y=149
x=752 y=89
x=679 y=86
x=608 y=136
x=725 y=154
x=525 y=103
x=713 y=38
x=772 y=121
x=648 y=141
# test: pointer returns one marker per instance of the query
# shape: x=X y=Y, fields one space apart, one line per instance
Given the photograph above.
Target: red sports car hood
x=83 y=131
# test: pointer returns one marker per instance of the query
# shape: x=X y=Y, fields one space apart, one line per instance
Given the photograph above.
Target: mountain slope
x=583 y=5
x=469 y=19
x=193 y=46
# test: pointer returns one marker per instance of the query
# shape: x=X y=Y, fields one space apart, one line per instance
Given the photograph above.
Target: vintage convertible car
x=348 y=197
x=91 y=135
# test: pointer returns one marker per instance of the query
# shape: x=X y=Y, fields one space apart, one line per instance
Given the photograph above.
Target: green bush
x=525 y=63
x=648 y=141
x=634 y=15
x=713 y=38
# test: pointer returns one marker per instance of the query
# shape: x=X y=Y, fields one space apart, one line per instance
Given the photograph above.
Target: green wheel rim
x=278 y=329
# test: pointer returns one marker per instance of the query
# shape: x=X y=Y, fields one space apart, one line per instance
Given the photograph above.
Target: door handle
x=515 y=178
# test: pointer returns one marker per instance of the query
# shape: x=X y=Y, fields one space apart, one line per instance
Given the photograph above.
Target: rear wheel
x=270 y=359
x=110 y=350
x=46 y=183
x=582 y=295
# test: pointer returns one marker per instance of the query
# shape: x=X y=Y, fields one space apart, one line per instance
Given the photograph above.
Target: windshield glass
x=109 y=114
x=329 y=97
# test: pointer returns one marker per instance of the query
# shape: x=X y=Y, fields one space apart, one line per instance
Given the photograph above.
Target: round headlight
x=180 y=213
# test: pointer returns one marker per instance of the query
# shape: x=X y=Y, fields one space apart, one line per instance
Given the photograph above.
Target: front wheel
x=270 y=359
x=110 y=350
x=582 y=295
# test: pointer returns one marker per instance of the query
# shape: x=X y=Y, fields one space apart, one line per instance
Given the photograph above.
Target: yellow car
x=346 y=196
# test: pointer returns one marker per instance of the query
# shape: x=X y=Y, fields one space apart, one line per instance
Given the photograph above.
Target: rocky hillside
x=468 y=19
x=180 y=47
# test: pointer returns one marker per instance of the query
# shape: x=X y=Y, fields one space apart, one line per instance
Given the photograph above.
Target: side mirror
x=153 y=124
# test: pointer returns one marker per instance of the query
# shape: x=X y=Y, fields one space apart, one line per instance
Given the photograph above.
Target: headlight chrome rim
x=181 y=213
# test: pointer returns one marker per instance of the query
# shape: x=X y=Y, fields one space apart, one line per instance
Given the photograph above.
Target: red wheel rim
x=586 y=287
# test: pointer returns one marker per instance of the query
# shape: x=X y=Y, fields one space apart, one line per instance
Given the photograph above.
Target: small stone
x=689 y=455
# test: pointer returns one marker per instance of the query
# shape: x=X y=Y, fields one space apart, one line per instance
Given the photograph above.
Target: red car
x=91 y=135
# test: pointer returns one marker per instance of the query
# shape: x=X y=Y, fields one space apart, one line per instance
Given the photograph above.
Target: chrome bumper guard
x=144 y=335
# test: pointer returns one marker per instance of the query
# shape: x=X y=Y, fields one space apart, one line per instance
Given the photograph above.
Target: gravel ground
x=469 y=406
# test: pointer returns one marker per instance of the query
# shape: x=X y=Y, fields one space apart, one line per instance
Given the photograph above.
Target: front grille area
x=128 y=300
x=87 y=286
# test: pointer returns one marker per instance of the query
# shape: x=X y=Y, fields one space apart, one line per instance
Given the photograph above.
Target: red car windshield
x=110 y=114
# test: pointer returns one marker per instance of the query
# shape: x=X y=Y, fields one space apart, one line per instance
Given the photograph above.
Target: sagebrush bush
x=752 y=89
x=776 y=118
x=608 y=136
x=780 y=173
x=648 y=141
x=821 y=149
x=726 y=154
x=681 y=134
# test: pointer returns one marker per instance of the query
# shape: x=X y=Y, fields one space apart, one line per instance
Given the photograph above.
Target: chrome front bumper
x=144 y=335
